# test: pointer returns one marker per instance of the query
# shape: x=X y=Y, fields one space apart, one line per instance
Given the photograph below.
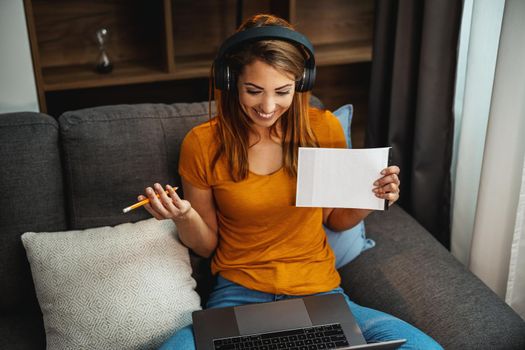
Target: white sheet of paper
x=340 y=178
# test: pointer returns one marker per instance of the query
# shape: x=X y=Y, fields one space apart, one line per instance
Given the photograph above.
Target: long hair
x=234 y=125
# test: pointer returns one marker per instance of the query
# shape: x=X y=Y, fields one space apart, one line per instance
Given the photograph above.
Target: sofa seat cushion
x=409 y=274
x=122 y=287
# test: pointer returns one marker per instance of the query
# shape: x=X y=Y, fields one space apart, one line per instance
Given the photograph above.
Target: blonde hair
x=234 y=126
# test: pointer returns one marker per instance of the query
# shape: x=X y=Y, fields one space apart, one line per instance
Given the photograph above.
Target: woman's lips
x=265 y=115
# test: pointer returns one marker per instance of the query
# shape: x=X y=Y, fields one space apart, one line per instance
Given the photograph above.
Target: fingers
x=388 y=186
x=393 y=169
x=174 y=196
x=149 y=209
x=165 y=203
x=385 y=180
x=182 y=206
x=158 y=202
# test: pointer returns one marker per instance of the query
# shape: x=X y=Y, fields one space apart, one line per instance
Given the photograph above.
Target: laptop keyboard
x=310 y=338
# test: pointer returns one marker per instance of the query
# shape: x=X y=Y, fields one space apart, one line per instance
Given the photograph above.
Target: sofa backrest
x=32 y=199
x=112 y=153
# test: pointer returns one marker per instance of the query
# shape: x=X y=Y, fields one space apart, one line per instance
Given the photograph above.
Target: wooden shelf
x=335 y=54
x=170 y=40
x=85 y=76
x=124 y=73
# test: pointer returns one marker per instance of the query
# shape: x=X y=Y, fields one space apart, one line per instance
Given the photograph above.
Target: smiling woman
x=239 y=174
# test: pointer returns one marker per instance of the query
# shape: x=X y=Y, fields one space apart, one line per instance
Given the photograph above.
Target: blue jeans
x=375 y=325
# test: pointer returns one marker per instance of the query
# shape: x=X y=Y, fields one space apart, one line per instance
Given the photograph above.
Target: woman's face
x=265 y=93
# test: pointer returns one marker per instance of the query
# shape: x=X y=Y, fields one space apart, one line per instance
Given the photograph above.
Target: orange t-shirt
x=266 y=243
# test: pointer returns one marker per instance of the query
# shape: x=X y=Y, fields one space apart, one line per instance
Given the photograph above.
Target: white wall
x=17 y=83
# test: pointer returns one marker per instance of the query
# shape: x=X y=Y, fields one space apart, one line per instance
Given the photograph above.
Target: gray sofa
x=81 y=171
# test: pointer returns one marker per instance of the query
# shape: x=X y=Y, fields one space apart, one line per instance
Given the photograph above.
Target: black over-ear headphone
x=223 y=77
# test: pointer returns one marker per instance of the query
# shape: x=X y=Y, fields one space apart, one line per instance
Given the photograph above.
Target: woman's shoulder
x=326 y=128
x=322 y=118
x=204 y=132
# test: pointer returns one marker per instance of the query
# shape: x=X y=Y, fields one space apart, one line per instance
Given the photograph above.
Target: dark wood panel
x=192 y=90
x=65 y=30
x=335 y=21
x=200 y=27
x=343 y=84
x=163 y=49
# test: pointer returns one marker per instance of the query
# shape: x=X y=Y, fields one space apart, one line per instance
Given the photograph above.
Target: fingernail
x=376 y=183
x=168 y=187
x=383 y=172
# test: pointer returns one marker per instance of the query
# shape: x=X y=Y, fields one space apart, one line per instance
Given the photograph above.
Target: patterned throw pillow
x=122 y=287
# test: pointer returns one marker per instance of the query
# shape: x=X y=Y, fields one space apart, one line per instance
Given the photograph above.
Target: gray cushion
x=31 y=199
x=410 y=275
x=112 y=153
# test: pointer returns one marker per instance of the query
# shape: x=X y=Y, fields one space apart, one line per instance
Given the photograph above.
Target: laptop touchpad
x=269 y=317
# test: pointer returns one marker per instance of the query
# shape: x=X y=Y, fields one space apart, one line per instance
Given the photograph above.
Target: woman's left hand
x=387 y=187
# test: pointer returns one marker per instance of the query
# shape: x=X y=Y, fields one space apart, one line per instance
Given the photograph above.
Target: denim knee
x=379 y=326
x=181 y=340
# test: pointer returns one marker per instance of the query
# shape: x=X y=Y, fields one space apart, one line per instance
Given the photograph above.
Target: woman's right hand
x=166 y=205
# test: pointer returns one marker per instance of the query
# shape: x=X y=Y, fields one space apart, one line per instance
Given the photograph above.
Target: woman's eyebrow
x=258 y=87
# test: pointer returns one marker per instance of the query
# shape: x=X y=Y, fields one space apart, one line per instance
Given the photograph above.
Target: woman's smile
x=264 y=115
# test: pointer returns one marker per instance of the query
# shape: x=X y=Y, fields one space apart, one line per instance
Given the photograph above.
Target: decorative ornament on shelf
x=104 y=65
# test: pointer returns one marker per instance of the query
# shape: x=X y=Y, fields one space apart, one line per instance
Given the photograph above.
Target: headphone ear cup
x=306 y=83
x=309 y=84
x=222 y=76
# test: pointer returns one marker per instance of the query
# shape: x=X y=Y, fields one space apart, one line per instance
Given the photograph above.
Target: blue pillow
x=347 y=245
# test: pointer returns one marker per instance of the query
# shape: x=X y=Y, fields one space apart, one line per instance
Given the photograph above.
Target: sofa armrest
x=412 y=276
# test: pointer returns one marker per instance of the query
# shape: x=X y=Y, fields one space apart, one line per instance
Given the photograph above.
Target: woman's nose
x=268 y=104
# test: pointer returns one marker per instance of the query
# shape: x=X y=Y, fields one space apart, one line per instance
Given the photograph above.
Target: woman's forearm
x=341 y=219
x=196 y=234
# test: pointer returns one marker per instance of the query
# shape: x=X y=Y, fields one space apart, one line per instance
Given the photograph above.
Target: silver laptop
x=315 y=322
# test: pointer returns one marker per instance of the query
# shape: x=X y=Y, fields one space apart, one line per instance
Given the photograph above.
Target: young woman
x=239 y=176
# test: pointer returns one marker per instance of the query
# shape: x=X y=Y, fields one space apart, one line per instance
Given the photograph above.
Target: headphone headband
x=223 y=79
x=265 y=33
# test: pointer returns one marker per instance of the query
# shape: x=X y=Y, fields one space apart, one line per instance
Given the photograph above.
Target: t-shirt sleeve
x=193 y=161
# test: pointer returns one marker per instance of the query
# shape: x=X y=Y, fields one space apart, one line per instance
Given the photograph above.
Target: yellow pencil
x=141 y=203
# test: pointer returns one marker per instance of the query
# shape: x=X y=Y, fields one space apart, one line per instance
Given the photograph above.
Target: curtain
x=478 y=52
x=411 y=102
x=515 y=295
x=496 y=254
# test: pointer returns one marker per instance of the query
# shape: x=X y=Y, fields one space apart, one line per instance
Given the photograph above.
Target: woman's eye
x=282 y=93
x=253 y=92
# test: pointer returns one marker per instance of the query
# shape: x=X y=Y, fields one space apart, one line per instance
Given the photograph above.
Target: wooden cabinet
x=170 y=44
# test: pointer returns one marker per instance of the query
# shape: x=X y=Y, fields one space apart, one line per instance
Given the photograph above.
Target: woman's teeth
x=265 y=115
